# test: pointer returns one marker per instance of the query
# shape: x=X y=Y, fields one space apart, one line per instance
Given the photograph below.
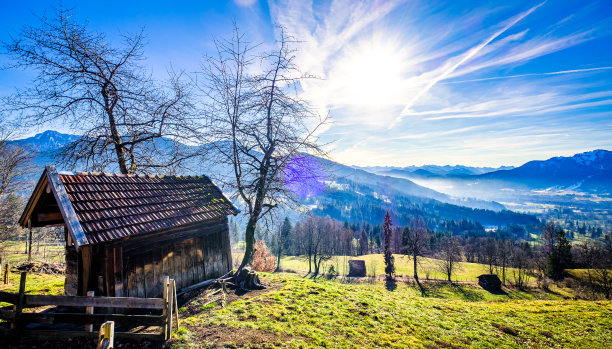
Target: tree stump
x=248 y=280
x=357 y=268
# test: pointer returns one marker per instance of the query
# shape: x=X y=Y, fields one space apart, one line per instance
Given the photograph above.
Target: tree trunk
x=119 y=147
x=249 y=238
x=30 y=246
x=279 y=253
x=309 y=262
x=414 y=260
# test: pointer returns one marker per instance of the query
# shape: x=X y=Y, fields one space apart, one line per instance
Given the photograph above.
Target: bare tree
x=15 y=163
x=103 y=93
x=450 y=256
x=586 y=255
x=315 y=235
x=504 y=252
x=257 y=123
x=322 y=251
x=603 y=267
x=414 y=239
x=489 y=252
x=522 y=264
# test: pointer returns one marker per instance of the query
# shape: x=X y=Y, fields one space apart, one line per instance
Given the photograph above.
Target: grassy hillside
x=403 y=266
x=301 y=312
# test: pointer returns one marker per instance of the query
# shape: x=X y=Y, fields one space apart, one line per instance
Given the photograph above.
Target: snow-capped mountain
x=590 y=172
x=46 y=141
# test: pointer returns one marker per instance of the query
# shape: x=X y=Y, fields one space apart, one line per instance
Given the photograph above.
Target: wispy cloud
x=467 y=56
x=561 y=72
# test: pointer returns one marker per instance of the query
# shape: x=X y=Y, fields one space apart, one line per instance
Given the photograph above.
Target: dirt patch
x=546 y=334
x=506 y=329
x=193 y=306
x=444 y=344
x=229 y=337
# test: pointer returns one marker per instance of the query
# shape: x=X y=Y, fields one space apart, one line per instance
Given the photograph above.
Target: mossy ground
x=298 y=311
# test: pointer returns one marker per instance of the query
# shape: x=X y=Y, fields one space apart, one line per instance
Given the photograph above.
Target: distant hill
x=433 y=170
x=46 y=144
x=351 y=194
x=590 y=172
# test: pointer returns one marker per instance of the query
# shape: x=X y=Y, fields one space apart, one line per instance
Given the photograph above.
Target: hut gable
x=102 y=207
x=124 y=233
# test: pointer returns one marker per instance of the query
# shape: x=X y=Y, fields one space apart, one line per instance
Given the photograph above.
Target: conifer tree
x=389 y=260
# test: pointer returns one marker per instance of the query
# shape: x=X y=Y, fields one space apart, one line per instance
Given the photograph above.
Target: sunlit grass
x=312 y=313
x=427 y=267
x=13 y=252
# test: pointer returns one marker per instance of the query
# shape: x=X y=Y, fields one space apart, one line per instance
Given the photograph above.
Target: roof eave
x=70 y=218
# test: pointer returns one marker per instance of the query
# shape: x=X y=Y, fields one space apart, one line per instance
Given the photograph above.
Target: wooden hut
x=124 y=233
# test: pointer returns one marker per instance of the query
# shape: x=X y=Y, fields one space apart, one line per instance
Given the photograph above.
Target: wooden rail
x=32 y=301
x=19 y=320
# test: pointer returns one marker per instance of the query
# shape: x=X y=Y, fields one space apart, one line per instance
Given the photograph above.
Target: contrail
x=471 y=53
x=530 y=74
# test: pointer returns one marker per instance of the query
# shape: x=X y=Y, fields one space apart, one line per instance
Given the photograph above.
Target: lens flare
x=305 y=177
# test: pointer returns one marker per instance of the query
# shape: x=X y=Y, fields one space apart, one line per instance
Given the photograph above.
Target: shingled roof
x=101 y=207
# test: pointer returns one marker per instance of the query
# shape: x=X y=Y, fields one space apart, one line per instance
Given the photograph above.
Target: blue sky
x=405 y=82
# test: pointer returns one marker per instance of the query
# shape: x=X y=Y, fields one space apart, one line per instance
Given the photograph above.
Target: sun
x=372 y=74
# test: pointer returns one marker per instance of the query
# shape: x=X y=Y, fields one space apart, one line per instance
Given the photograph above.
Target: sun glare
x=372 y=75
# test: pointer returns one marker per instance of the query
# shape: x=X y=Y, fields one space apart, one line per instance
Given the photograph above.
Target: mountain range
x=589 y=172
x=354 y=193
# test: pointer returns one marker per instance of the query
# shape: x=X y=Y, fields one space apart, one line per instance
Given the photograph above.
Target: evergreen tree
x=283 y=240
x=363 y=243
x=389 y=260
x=557 y=249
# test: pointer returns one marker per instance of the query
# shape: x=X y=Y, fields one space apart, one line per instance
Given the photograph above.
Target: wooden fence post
x=166 y=312
x=89 y=310
x=6 y=274
x=175 y=301
x=106 y=336
x=20 y=300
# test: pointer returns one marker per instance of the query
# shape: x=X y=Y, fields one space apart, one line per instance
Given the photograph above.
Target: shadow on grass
x=390 y=284
x=549 y=291
x=499 y=292
x=422 y=288
x=468 y=294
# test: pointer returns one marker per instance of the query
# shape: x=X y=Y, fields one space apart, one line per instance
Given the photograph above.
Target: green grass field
x=403 y=266
x=299 y=312
x=13 y=252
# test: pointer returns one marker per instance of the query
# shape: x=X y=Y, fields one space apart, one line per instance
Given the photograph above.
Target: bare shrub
x=263 y=260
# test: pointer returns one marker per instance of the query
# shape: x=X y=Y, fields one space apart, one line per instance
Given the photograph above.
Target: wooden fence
x=20 y=320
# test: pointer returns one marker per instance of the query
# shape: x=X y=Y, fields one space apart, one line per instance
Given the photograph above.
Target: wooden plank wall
x=72 y=261
x=187 y=261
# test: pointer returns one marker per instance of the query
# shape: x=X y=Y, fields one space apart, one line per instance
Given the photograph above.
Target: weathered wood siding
x=136 y=267
x=72 y=266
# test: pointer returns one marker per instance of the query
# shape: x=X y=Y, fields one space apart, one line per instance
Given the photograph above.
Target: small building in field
x=490 y=282
x=125 y=233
